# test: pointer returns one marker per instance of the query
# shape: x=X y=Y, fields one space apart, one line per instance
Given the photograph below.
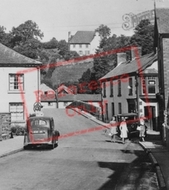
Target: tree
x=52 y=44
x=30 y=48
x=71 y=55
x=63 y=47
x=143 y=36
x=106 y=63
x=26 y=31
x=4 y=37
x=104 y=31
x=25 y=39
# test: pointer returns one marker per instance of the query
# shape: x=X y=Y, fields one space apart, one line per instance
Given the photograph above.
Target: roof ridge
x=11 y=56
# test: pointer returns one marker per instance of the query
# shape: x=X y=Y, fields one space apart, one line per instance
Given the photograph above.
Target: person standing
x=113 y=129
x=123 y=130
x=142 y=128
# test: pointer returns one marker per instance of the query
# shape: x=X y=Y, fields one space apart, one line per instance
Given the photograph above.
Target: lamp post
x=56 y=97
x=137 y=96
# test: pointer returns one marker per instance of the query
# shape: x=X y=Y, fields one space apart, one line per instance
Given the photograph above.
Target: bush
x=18 y=130
x=13 y=129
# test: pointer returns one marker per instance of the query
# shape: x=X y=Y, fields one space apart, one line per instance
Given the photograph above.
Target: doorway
x=150 y=114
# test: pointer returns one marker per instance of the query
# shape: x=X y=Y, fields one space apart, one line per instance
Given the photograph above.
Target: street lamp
x=137 y=95
x=56 y=97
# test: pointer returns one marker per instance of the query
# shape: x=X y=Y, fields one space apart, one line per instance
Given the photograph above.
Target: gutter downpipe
x=137 y=95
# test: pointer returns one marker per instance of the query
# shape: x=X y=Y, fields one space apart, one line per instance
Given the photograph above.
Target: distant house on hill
x=20 y=80
x=84 y=42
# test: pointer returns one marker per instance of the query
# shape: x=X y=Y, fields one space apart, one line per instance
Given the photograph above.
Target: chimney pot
x=136 y=52
x=121 y=57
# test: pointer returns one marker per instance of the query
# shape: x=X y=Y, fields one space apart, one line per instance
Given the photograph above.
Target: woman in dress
x=123 y=130
x=113 y=129
x=142 y=128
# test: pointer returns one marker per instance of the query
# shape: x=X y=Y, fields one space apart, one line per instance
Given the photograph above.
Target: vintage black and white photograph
x=84 y=102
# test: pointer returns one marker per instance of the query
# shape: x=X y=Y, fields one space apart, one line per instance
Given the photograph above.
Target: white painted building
x=20 y=79
x=84 y=42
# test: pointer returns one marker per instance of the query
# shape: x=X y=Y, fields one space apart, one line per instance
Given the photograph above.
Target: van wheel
x=52 y=146
x=25 y=147
x=56 y=144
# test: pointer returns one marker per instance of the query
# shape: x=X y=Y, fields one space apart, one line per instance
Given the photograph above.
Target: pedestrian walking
x=123 y=130
x=113 y=129
x=142 y=128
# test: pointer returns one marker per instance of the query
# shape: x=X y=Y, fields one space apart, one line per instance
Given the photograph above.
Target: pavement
x=152 y=145
x=11 y=146
x=158 y=153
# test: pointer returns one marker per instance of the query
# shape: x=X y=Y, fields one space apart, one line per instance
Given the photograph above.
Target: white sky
x=56 y=17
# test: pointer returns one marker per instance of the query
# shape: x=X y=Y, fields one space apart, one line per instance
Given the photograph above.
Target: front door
x=150 y=114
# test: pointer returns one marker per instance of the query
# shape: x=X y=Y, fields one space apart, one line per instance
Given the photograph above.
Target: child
x=113 y=129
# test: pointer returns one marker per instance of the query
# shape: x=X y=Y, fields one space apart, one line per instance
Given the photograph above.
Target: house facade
x=20 y=79
x=161 y=43
x=84 y=42
x=50 y=101
x=131 y=88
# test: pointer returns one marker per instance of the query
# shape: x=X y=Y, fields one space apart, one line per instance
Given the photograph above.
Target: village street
x=86 y=161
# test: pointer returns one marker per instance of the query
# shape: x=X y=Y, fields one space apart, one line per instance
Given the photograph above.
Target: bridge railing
x=84 y=106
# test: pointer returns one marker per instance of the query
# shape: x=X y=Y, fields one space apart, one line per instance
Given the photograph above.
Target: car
x=40 y=131
x=132 y=124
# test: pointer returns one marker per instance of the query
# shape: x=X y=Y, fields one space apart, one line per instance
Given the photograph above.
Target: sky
x=56 y=18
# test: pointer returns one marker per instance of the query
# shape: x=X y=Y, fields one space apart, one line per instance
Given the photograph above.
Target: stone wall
x=5 y=123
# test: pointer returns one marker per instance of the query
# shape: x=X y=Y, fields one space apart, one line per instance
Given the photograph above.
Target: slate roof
x=64 y=88
x=82 y=37
x=162 y=19
x=137 y=65
x=71 y=98
x=9 y=56
x=45 y=88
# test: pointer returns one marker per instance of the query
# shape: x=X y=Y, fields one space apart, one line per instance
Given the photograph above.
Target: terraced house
x=161 y=44
x=131 y=87
x=20 y=79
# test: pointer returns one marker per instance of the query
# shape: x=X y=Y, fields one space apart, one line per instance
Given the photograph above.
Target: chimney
x=69 y=36
x=136 y=52
x=121 y=57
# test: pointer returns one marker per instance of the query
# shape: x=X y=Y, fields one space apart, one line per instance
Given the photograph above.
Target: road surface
x=87 y=161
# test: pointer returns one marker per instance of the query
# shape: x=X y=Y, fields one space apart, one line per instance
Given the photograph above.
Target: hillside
x=71 y=72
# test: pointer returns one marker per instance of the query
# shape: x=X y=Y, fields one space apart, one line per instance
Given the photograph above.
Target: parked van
x=40 y=130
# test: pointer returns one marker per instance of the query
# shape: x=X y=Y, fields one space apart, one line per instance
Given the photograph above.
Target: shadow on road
x=133 y=175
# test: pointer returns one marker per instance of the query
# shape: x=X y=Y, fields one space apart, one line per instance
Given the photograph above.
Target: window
x=16 y=81
x=111 y=88
x=87 y=52
x=144 y=85
x=80 y=52
x=74 y=45
x=80 y=46
x=119 y=87
x=120 y=108
x=86 y=45
x=151 y=86
x=104 y=89
x=112 y=108
x=17 y=112
x=130 y=86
